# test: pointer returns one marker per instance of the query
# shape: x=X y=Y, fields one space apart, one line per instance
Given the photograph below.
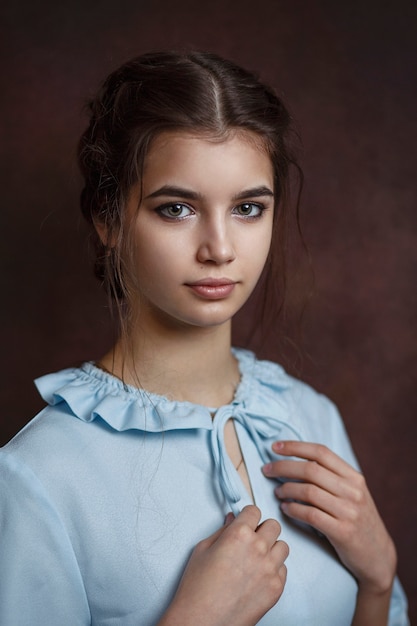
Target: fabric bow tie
x=263 y=430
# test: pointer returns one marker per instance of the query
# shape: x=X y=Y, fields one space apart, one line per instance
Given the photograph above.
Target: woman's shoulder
x=72 y=425
x=51 y=434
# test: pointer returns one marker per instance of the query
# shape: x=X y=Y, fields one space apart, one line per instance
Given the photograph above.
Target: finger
x=282 y=573
x=311 y=515
x=269 y=530
x=229 y=519
x=314 y=452
x=280 y=552
x=310 y=472
x=249 y=515
x=312 y=495
x=211 y=539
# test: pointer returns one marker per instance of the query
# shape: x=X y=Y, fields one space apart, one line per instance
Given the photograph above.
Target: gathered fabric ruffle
x=91 y=393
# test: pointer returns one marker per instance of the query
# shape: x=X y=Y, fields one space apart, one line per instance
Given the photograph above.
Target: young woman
x=177 y=480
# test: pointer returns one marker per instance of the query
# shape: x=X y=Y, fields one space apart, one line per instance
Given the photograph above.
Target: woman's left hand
x=333 y=497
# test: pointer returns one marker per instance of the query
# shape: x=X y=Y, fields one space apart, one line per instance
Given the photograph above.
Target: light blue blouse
x=105 y=493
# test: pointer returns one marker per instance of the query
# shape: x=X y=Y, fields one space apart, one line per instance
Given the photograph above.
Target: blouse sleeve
x=40 y=581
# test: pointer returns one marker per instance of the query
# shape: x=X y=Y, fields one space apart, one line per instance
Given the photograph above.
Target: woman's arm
x=371 y=608
x=233 y=577
x=324 y=491
x=40 y=581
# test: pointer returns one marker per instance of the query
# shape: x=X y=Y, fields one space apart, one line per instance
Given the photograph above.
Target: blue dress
x=105 y=493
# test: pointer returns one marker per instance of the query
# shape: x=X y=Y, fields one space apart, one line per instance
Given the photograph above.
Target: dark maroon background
x=348 y=71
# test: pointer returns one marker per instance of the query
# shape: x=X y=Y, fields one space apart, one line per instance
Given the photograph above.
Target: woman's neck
x=188 y=364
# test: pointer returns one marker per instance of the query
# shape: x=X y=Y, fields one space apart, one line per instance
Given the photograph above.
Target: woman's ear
x=108 y=240
x=102 y=232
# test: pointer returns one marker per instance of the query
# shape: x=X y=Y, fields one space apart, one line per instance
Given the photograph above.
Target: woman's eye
x=175 y=211
x=249 y=209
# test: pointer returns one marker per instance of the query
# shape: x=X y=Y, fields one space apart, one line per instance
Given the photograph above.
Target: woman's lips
x=213 y=288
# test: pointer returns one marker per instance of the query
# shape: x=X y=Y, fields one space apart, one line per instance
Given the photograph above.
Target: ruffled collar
x=260 y=406
x=90 y=393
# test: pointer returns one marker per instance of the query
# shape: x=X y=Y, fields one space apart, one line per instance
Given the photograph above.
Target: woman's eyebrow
x=180 y=192
x=254 y=192
x=176 y=192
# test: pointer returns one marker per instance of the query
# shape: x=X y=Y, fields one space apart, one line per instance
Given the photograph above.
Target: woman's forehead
x=243 y=135
x=199 y=160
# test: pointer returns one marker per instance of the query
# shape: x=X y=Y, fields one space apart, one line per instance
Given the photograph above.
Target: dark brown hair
x=192 y=91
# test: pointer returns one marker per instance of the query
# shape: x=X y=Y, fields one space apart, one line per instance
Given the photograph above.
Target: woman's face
x=202 y=231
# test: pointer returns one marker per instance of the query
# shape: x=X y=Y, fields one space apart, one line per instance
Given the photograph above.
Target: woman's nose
x=215 y=243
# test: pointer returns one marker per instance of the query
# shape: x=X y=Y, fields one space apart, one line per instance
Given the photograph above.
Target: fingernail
x=267 y=468
x=229 y=518
x=278 y=445
x=277 y=491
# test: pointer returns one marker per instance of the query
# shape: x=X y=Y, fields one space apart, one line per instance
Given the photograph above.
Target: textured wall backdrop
x=346 y=69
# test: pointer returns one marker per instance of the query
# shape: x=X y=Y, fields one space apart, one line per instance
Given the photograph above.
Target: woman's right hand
x=233 y=577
